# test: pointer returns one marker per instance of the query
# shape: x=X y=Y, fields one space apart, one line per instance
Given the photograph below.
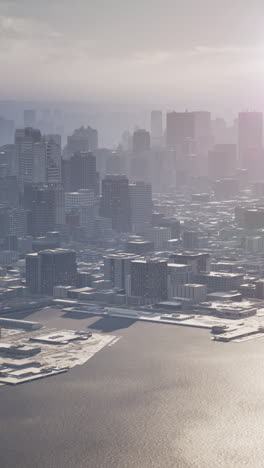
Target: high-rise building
x=82 y=172
x=250 y=140
x=115 y=202
x=31 y=151
x=53 y=159
x=82 y=140
x=149 y=279
x=50 y=268
x=43 y=211
x=189 y=126
x=7 y=130
x=117 y=269
x=13 y=222
x=82 y=202
x=141 y=141
x=9 y=155
x=180 y=126
x=9 y=191
x=47 y=205
x=141 y=203
x=30 y=118
x=156 y=128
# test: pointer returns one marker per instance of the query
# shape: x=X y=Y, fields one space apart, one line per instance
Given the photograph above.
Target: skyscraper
x=31 y=151
x=115 y=202
x=250 y=140
x=50 y=268
x=141 y=141
x=149 y=279
x=141 y=202
x=156 y=129
x=47 y=206
x=53 y=158
x=183 y=126
x=82 y=172
x=82 y=140
x=180 y=125
x=7 y=130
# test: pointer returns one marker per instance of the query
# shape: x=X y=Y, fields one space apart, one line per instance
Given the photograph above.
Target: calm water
x=163 y=396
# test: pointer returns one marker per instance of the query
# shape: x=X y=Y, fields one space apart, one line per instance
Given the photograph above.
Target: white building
x=76 y=200
x=194 y=292
x=160 y=236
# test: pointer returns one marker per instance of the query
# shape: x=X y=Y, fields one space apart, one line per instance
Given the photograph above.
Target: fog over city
x=165 y=52
x=131 y=234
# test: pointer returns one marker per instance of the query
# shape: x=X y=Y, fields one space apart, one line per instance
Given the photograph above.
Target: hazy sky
x=191 y=51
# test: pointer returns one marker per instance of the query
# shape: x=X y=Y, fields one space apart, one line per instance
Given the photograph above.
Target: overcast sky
x=196 y=51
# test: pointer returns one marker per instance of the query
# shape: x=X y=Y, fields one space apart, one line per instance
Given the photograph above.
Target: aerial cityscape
x=131 y=234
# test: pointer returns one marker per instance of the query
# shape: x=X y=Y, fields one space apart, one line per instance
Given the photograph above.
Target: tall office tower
x=250 y=141
x=82 y=203
x=7 y=130
x=141 y=141
x=117 y=269
x=82 y=172
x=50 y=268
x=222 y=161
x=203 y=131
x=30 y=118
x=53 y=158
x=82 y=140
x=141 y=203
x=66 y=174
x=156 y=127
x=188 y=126
x=9 y=153
x=9 y=191
x=113 y=164
x=180 y=126
x=47 y=207
x=149 y=279
x=31 y=151
x=59 y=197
x=13 y=222
x=115 y=202
x=177 y=274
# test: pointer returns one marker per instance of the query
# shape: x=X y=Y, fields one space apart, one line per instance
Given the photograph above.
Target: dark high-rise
x=115 y=202
x=141 y=202
x=182 y=126
x=83 y=140
x=47 y=208
x=149 y=279
x=141 y=141
x=82 y=172
x=50 y=268
x=250 y=140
